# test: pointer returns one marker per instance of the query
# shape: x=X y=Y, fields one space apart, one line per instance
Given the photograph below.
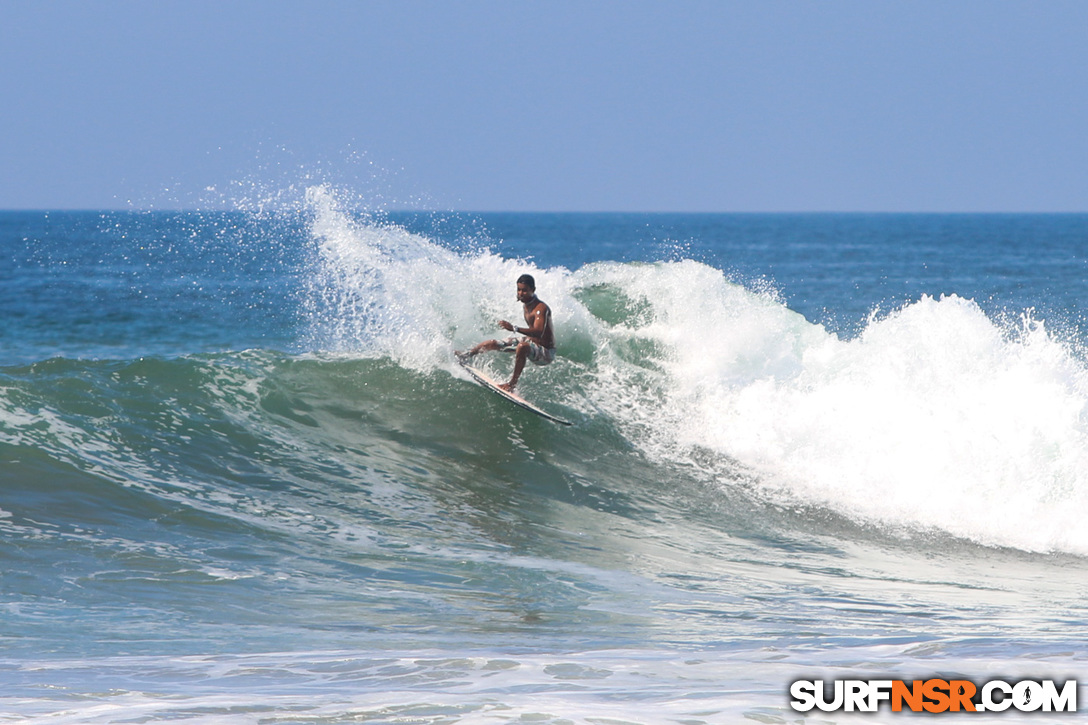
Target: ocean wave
x=934 y=418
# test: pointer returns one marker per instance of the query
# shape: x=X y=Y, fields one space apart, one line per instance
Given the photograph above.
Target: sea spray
x=376 y=289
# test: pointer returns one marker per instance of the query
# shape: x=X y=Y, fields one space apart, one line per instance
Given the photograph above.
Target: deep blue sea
x=243 y=480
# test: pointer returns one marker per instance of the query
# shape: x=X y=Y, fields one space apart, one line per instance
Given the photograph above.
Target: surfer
x=538 y=345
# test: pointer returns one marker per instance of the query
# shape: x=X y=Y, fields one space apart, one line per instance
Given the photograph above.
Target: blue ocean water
x=242 y=478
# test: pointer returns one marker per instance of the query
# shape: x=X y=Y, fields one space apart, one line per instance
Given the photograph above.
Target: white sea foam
x=933 y=417
x=583 y=688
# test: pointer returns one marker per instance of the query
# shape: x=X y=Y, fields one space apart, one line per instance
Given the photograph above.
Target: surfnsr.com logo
x=934 y=695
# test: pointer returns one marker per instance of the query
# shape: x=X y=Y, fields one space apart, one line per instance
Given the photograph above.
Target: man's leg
x=485 y=346
x=519 y=365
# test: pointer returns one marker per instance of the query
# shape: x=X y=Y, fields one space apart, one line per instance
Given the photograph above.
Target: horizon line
x=401 y=210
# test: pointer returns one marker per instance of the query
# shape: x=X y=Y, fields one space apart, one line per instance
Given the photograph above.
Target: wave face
x=282 y=482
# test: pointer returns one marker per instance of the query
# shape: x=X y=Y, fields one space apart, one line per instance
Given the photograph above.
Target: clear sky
x=767 y=105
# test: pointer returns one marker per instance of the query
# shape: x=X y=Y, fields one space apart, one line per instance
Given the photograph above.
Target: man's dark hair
x=527 y=279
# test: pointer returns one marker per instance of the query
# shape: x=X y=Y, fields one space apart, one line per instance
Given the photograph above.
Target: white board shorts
x=538 y=354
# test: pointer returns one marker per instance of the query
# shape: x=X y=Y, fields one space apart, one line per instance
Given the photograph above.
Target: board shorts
x=538 y=354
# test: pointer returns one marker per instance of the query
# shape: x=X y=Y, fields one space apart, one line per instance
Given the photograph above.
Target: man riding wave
x=538 y=343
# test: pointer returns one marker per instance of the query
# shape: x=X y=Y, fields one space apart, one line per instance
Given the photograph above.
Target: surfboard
x=514 y=398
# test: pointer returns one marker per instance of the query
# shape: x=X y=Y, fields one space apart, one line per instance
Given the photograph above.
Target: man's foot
x=508 y=387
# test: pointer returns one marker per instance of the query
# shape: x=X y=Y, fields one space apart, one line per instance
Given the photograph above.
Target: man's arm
x=538 y=320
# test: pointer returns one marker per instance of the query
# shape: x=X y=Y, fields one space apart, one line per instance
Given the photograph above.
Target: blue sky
x=973 y=105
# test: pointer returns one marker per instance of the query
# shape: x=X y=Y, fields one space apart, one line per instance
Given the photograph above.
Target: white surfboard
x=514 y=398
